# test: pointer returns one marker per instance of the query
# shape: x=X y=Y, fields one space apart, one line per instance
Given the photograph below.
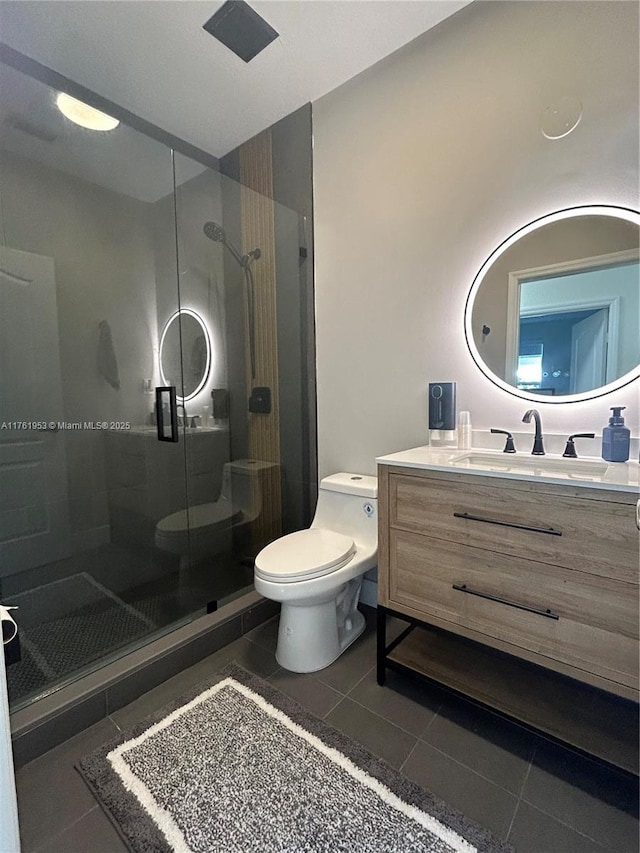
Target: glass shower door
x=88 y=282
x=244 y=305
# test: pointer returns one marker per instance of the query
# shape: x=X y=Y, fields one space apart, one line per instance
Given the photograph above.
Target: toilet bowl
x=205 y=529
x=316 y=574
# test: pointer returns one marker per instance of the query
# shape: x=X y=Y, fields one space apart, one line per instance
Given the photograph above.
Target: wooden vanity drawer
x=596 y=629
x=595 y=536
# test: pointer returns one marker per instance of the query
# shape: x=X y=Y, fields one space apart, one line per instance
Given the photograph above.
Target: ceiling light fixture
x=83 y=114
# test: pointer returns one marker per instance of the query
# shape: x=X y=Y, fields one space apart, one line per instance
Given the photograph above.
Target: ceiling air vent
x=241 y=29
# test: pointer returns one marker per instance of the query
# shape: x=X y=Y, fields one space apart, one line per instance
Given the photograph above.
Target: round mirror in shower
x=185 y=353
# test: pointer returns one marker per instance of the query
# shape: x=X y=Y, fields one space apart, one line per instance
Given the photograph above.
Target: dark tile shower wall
x=292 y=191
x=292 y=186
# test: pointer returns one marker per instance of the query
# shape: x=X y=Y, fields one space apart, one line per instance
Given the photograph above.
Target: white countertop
x=585 y=471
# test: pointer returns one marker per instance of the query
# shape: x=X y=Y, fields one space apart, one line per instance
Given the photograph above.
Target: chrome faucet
x=538 y=447
x=183 y=420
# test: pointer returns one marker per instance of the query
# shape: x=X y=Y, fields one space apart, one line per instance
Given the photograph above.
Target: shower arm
x=250 y=312
x=245 y=263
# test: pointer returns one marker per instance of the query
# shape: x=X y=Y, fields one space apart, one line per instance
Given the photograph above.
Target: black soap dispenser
x=616 y=438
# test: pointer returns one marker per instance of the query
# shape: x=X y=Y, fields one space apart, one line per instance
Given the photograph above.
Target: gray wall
x=423 y=164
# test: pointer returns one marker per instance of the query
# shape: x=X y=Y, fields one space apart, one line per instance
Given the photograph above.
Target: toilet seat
x=198 y=517
x=304 y=555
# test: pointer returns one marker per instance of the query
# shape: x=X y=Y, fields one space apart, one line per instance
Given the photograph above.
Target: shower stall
x=156 y=382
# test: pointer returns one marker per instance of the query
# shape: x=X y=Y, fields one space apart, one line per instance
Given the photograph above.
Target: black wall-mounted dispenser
x=442 y=405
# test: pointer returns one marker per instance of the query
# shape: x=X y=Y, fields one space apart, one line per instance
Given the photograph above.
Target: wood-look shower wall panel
x=257 y=218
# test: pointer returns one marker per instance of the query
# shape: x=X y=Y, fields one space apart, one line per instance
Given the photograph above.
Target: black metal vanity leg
x=381 y=645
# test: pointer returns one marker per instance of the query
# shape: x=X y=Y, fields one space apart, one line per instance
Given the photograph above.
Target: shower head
x=215 y=232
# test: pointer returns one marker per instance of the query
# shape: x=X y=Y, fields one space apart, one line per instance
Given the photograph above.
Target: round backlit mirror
x=186 y=368
x=554 y=312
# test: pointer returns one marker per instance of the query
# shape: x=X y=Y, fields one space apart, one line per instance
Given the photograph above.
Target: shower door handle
x=167 y=413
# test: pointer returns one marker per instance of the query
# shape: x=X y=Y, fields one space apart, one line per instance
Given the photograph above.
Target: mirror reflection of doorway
x=584 y=314
x=563 y=352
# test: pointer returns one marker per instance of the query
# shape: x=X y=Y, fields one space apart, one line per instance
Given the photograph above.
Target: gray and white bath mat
x=236 y=767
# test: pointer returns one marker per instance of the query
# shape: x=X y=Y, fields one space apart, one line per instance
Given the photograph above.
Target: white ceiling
x=153 y=58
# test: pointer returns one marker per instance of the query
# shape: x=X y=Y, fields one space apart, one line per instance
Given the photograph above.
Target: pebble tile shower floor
x=538 y=796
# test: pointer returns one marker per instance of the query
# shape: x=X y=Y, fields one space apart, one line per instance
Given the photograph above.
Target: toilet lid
x=199 y=516
x=304 y=555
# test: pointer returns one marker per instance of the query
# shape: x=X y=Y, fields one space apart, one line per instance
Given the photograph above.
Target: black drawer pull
x=464 y=588
x=550 y=530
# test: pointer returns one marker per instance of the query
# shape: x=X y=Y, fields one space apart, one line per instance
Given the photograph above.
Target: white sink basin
x=592 y=469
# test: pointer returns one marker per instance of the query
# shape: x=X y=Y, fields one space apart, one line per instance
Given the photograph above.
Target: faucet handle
x=570 y=449
x=509 y=445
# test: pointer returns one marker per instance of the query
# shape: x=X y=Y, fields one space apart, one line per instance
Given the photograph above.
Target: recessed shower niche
x=105 y=268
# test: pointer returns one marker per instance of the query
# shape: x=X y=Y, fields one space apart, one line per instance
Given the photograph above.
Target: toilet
x=205 y=529
x=317 y=573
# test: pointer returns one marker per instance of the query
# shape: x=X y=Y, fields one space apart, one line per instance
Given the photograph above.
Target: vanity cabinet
x=534 y=574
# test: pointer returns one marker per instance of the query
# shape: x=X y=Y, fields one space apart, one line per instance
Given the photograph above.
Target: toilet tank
x=348 y=504
x=242 y=484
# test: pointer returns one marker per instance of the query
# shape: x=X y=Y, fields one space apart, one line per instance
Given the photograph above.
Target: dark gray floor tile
x=170 y=690
x=467 y=756
x=93 y=833
x=534 y=831
x=146 y=678
x=352 y=665
x=403 y=701
x=249 y=655
x=51 y=793
x=598 y=801
x=255 y=658
x=477 y=798
x=492 y=746
x=266 y=635
x=312 y=694
x=378 y=735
